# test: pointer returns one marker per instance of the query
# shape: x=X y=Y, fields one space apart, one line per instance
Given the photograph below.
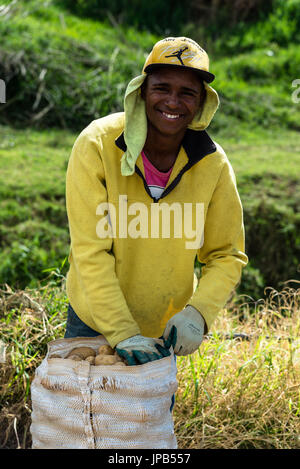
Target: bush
x=58 y=78
x=272 y=225
x=33 y=248
x=170 y=19
x=64 y=72
x=234 y=28
x=140 y=14
x=67 y=85
x=223 y=26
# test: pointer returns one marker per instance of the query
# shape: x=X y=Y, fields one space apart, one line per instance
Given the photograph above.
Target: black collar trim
x=196 y=143
x=120 y=142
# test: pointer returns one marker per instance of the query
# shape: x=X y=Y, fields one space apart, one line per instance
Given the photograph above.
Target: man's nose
x=172 y=100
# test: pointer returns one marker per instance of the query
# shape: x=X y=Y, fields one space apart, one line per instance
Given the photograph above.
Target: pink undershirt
x=156 y=180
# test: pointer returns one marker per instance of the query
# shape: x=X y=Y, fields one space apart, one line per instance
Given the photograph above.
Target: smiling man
x=172 y=99
x=155 y=158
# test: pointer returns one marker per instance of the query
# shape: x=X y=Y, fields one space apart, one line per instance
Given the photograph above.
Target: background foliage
x=70 y=71
x=66 y=63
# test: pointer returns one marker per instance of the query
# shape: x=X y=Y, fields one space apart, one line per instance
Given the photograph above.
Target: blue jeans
x=76 y=328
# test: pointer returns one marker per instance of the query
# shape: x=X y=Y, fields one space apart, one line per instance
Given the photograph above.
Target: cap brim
x=206 y=76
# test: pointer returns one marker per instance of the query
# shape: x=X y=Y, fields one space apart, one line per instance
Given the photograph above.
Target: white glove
x=189 y=326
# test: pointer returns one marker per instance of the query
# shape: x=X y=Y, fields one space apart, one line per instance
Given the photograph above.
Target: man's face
x=172 y=98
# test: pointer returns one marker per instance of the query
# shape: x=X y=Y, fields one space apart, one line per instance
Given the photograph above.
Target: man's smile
x=170 y=116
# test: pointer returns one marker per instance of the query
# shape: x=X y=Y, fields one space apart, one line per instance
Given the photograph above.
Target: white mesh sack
x=76 y=405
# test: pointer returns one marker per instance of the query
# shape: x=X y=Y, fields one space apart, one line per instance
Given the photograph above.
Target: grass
x=33 y=220
x=28 y=321
x=260 y=153
x=35 y=161
x=68 y=70
x=244 y=394
x=233 y=394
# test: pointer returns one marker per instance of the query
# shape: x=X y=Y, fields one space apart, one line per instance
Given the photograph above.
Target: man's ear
x=143 y=89
x=202 y=91
x=202 y=96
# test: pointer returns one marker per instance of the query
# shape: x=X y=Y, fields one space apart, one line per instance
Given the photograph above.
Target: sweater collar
x=196 y=143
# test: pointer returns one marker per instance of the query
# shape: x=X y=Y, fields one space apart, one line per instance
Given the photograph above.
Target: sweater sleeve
x=223 y=248
x=92 y=256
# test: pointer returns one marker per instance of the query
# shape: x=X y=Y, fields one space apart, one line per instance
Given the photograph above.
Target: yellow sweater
x=130 y=272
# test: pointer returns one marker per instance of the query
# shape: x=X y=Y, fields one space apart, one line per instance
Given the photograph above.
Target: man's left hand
x=184 y=331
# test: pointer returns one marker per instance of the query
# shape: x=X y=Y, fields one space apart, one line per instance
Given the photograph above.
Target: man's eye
x=189 y=93
x=160 y=88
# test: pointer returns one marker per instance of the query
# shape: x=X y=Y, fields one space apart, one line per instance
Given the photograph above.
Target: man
x=137 y=185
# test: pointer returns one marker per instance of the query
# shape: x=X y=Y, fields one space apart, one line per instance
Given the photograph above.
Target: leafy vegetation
x=34 y=226
x=222 y=18
x=63 y=71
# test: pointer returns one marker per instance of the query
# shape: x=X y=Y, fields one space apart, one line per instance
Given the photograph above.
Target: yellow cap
x=179 y=52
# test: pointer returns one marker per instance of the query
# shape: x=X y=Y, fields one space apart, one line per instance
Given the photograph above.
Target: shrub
x=64 y=72
x=272 y=225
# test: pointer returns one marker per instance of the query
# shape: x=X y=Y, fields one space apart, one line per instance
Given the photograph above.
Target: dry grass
x=233 y=393
x=28 y=321
x=244 y=394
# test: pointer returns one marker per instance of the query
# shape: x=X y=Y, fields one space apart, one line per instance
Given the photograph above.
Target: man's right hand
x=138 y=350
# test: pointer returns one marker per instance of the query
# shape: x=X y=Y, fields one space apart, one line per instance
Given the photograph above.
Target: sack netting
x=78 y=405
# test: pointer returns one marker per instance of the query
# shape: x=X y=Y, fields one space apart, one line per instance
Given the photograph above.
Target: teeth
x=171 y=116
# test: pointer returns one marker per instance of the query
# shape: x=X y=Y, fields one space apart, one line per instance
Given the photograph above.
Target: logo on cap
x=178 y=54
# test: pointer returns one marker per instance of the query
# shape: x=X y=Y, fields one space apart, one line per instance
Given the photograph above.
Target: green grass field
x=33 y=221
x=231 y=394
x=63 y=71
x=34 y=161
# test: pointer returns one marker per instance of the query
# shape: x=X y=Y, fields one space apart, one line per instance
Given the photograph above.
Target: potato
x=105 y=360
x=119 y=359
x=91 y=360
x=55 y=355
x=75 y=358
x=105 y=350
x=120 y=364
x=84 y=352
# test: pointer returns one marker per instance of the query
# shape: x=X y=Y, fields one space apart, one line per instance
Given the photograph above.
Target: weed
x=232 y=393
